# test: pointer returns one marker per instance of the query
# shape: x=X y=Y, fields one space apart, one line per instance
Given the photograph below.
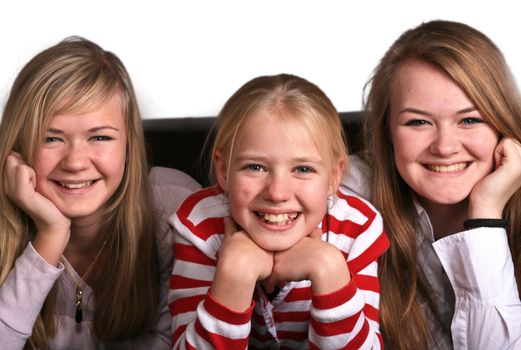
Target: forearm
x=480 y=269
x=198 y=320
x=345 y=319
x=22 y=296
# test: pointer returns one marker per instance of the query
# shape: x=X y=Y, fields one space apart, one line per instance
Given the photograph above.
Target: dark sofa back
x=179 y=142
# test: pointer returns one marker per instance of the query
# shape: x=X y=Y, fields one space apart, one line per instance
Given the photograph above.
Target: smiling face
x=442 y=146
x=82 y=159
x=277 y=182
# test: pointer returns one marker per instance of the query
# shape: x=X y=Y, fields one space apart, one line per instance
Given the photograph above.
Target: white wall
x=187 y=57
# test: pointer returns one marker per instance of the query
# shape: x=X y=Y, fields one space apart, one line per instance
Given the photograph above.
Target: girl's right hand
x=490 y=195
x=53 y=228
x=240 y=264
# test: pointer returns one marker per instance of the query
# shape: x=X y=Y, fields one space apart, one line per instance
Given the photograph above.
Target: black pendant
x=79 y=315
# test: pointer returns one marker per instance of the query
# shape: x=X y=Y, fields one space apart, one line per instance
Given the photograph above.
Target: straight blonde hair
x=75 y=75
x=290 y=98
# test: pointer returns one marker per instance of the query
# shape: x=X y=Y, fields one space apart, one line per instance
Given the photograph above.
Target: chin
x=78 y=213
x=273 y=246
x=449 y=200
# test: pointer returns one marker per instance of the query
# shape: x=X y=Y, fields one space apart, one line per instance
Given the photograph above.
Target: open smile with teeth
x=75 y=186
x=447 y=168
x=278 y=219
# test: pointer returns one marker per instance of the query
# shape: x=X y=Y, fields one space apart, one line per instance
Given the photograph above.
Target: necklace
x=79 y=291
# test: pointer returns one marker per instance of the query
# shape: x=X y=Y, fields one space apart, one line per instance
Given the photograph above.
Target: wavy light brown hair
x=474 y=62
x=76 y=75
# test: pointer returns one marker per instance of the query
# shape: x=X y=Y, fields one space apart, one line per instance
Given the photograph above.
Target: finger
x=509 y=151
x=11 y=169
x=16 y=155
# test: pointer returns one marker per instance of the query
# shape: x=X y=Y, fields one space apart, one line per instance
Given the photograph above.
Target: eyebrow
x=92 y=130
x=253 y=158
x=421 y=112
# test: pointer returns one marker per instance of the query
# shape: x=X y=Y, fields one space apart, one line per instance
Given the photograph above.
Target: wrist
x=333 y=264
x=485 y=222
x=51 y=245
x=485 y=210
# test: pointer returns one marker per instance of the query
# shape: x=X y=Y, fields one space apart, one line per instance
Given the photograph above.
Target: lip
x=74 y=186
x=280 y=219
x=448 y=168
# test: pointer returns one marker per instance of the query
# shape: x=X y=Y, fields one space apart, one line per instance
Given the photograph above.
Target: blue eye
x=471 y=120
x=304 y=170
x=50 y=139
x=101 y=138
x=255 y=167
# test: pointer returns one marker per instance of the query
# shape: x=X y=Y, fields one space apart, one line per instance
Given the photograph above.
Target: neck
x=446 y=219
x=84 y=243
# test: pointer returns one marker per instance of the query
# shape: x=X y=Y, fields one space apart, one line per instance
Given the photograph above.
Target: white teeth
x=278 y=218
x=76 y=186
x=447 y=168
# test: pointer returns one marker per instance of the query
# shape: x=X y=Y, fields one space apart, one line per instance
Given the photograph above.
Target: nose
x=277 y=188
x=75 y=157
x=446 y=142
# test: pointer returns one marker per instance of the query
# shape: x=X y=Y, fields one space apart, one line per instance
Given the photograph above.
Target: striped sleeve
x=349 y=318
x=199 y=321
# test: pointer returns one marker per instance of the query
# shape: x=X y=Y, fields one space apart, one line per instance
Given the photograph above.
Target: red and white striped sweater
x=294 y=318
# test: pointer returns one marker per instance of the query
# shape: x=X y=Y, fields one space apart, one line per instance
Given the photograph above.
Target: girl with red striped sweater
x=296 y=266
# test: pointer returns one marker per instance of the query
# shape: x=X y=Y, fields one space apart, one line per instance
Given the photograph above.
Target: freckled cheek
x=241 y=193
x=43 y=167
x=110 y=158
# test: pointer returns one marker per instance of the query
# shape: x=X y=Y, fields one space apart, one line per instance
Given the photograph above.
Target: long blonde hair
x=292 y=98
x=474 y=62
x=74 y=75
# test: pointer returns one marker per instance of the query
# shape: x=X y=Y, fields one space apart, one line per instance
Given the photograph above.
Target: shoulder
x=349 y=205
x=170 y=187
x=161 y=176
x=356 y=227
x=201 y=214
x=357 y=177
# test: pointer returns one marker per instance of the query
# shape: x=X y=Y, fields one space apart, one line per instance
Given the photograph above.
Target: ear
x=336 y=175
x=221 y=170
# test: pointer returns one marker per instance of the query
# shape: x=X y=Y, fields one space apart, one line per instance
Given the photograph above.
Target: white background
x=187 y=57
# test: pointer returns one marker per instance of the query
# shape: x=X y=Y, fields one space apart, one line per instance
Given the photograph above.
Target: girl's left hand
x=310 y=259
x=490 y=195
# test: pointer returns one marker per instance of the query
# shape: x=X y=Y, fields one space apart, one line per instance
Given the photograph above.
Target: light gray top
x=25 y=289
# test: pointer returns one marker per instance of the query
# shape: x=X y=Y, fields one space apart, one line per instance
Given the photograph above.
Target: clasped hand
x=20 y=186
x=490 y=195
x=310 y=259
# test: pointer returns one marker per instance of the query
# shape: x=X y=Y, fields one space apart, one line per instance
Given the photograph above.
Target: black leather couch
x=179 y=142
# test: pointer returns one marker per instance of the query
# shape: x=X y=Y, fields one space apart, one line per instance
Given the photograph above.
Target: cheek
x=112 y=161
x=241 y=193
x=406 y=147
x=315 y=196
x=43 y=167
x=484 y=148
